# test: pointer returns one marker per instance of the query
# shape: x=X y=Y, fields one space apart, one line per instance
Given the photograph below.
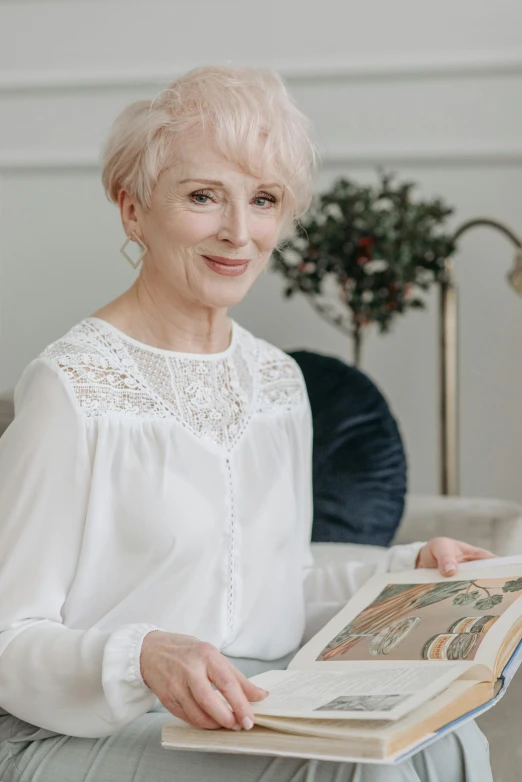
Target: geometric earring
x=134 y=238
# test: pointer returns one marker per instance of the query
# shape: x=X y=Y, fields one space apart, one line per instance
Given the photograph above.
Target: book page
x=515 y=559
x=370 y=742
x=363 y=692
x=420 y=616
x=263 y=741
x=387 y=731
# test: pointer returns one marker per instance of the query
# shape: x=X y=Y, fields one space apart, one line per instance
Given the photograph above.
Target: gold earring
x=134 y=238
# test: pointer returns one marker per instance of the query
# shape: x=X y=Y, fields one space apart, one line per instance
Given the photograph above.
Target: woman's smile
x=231 y=267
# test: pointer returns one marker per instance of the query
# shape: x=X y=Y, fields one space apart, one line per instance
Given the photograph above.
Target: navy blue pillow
x=359 y=464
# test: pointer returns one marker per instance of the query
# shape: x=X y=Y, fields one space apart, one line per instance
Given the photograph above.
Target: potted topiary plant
x=365 y=254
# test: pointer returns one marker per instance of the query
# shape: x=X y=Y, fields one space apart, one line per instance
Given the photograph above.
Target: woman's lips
x=229 y=267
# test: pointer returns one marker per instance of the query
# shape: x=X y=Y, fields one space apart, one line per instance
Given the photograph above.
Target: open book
x=411 y=656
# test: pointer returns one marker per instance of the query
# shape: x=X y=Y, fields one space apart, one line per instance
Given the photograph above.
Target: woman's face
x=211 y=227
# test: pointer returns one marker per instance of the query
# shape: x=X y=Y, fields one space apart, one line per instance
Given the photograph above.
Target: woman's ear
x=129 y=214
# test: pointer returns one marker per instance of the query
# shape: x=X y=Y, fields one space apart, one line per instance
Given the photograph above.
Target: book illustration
x=472 y=624
x=363 y=703
x=449 y=646
x=425 y=621
x=460 y=640
x=393 y=635
x=373 y=705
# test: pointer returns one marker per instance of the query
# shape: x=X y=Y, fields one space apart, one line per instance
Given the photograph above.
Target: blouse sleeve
x=81 y=682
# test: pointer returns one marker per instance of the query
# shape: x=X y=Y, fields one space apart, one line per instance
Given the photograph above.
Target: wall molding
x=425 y=66
x=20 y=161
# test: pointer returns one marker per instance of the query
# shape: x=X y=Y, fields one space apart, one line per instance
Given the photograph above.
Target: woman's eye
x=263 y=201
x=267 y=201
x=201 y=198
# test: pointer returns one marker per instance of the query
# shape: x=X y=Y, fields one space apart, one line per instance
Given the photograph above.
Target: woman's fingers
x=181 y=671
x=471 y=553
x=177 y=710
x=252 y=691
x=226 y=680
x=211 y=702
x=195 y=714
x=447 y=553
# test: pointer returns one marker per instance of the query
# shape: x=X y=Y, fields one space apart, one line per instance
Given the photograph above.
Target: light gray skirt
x=31 y=754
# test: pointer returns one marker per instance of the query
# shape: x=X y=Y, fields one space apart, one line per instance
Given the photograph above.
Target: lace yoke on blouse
x=212 y=395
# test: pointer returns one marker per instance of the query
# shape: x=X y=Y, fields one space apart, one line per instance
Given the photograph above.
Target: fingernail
x=247 y=723
x=236 y=726
x=449 y=567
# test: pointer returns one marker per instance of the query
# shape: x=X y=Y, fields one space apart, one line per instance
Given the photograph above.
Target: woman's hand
x=181 y=670
x=446 y=553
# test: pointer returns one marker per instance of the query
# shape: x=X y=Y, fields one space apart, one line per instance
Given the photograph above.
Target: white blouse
x=143 y=488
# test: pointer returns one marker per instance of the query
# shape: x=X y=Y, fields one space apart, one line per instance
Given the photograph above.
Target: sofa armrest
x=492 y=524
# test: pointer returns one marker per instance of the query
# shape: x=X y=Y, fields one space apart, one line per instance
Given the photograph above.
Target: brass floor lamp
x=448 y=355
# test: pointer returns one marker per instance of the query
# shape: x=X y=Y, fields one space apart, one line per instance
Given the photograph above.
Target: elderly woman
x=155 y=483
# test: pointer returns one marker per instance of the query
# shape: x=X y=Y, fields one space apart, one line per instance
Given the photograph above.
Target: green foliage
x=513 y=586
x=489 y=602
x=466 y=599
x=365 y=254
x=441 y=592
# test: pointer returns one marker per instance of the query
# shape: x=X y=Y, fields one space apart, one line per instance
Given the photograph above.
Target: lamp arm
x=487 y=222
x=448 y=357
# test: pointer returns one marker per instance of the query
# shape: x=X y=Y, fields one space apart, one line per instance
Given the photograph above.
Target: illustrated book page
x=400 y=641
x=419 y=616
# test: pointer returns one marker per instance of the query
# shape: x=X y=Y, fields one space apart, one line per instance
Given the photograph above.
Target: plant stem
x=357 y=345
x=480 y=587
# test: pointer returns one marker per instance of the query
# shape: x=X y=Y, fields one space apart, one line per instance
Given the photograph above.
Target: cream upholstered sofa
x=492 y=524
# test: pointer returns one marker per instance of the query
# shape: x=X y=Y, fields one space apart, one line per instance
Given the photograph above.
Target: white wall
x=432 y=90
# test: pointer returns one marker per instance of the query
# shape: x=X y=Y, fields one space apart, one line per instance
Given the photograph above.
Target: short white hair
x=239 y=106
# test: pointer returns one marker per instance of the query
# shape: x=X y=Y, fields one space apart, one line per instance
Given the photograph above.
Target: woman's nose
x=234 y=226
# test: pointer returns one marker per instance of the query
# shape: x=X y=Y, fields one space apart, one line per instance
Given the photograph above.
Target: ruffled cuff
x=126 y=692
